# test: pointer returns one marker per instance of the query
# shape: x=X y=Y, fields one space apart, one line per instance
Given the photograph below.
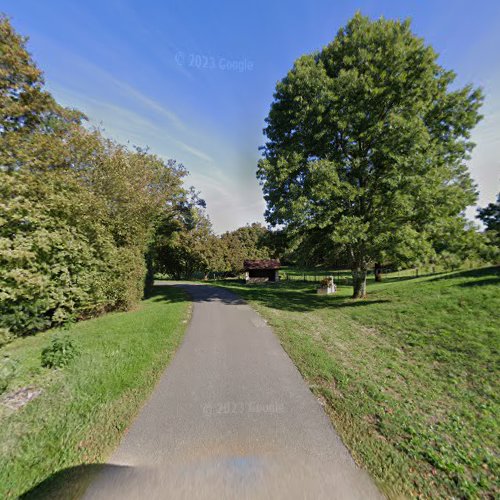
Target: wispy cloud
x=108 y=81
x=194 y=151
x=149 y=103
x=127 y=124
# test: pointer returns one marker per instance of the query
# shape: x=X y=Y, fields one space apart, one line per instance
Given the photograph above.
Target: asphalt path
x=231 y=418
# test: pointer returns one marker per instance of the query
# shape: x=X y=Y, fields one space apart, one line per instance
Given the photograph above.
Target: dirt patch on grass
x=17 y=399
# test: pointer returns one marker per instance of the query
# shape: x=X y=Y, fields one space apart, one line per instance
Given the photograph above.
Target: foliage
x=8 y=370
x=5 y=336
x=312 y=249
x=326 y=282
x=277 y=242
x=59 y=353
x=409 y=376
x=366 y=146
x=247 y=242
x=77 y=211
x=456 y=241
x=57 y=258
x=184 y=241
x=490 y=215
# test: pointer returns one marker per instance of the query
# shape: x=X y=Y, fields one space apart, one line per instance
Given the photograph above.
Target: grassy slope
x=409 y=376
x=86 y=407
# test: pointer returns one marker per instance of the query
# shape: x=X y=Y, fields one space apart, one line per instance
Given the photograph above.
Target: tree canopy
x=366 y=146
x=78 y=211
x=490 y=215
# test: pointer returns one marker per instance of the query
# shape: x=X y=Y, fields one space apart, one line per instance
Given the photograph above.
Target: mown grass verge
x=85 y=408
x=409 y=376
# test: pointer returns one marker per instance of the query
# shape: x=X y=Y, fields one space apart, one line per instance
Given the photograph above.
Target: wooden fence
x=344 y=278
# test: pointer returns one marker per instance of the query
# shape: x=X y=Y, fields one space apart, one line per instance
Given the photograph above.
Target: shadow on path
x=72 y=482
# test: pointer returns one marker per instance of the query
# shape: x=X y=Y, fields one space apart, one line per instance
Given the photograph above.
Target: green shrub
x=65 y=252
x=5 y=336
x=59 y=353
x=8 y=369
x=58 y=262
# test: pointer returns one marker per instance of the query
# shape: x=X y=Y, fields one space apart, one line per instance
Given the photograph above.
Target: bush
x=72 y=247
x=5 y=336
x=59 y=353
x=57 y=260
x=8 y=369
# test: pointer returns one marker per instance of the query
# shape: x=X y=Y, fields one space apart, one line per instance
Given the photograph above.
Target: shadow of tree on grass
x=488 y=275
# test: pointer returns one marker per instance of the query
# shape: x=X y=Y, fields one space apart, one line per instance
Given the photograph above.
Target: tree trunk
x=378 y=272
x=359 y=283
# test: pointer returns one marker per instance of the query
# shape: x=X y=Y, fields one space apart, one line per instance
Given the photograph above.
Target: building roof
x=261 y=264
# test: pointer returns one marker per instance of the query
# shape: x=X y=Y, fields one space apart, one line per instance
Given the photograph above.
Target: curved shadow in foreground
x=72 y=482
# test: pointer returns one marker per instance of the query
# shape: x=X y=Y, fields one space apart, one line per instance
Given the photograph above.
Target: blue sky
x=194 y=81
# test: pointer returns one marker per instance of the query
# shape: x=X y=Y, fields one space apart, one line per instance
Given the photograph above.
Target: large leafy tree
x=366 y=144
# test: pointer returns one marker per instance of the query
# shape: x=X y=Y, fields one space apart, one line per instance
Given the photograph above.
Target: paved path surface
x=231 y=418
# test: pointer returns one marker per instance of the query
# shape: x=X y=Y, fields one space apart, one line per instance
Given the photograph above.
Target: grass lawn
x=408 y=376
x=85 y=408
